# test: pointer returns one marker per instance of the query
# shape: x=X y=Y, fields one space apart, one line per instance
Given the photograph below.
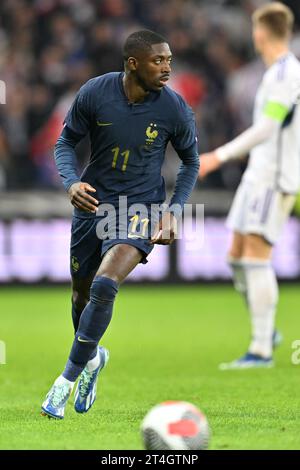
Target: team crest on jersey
x=75 y=264
x=151 y=133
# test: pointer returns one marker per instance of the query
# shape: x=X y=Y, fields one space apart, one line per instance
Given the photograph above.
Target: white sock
x=238 y=274
x=262 y=290
x=94 y=363
x=61 y=381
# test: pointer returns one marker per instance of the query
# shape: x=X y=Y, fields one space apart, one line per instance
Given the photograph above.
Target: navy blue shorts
x=92 y=237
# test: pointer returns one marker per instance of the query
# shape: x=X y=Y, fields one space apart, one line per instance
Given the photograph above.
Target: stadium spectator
x=44 y=44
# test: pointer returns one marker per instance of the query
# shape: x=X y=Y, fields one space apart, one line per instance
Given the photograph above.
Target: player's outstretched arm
x=239 y=146
x=209 y=162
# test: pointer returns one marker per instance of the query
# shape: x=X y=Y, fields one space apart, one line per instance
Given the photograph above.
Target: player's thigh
x=119 y=261
x=237 y=245
x=85 y=258
x=256 y=246
x=130 y=244
x=263 y=232
x=85 y=252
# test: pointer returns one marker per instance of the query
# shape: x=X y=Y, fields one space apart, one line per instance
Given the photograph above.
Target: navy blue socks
x=93 y=323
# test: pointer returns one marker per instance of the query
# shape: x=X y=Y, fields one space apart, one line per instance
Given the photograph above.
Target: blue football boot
x=56 y=400
x=85 y=393
x=248 y=361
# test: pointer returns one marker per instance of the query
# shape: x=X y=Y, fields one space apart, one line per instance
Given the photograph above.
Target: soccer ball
x=175 y=425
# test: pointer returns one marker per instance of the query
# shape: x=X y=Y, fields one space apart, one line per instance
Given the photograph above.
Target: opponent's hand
x=80 y=198
x=208 y=162
x=165 y=231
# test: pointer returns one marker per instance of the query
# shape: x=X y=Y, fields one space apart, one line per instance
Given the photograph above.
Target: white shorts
x=259 y=209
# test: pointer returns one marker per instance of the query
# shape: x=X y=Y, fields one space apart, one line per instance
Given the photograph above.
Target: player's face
x=153 y=68
x=260 y=36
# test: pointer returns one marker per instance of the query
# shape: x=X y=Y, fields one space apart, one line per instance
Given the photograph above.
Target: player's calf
x=93 y=323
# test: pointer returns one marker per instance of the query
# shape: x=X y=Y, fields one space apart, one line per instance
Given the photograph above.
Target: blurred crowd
x=49 y=48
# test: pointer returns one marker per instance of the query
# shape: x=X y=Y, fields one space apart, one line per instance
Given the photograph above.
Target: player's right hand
x=165 y=230
x=208 y=162
x=80 y=198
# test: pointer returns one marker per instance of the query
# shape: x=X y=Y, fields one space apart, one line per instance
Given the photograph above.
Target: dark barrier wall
x=35 y=250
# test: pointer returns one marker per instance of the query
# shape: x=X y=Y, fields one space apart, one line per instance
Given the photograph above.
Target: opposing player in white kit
x=266 y=194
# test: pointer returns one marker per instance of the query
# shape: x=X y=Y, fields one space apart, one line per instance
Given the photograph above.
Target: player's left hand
x=165 y=231
x=208 y=162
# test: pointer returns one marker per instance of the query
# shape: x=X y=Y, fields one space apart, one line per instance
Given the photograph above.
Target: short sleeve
x=280 y=92
x=78 y=118
x=279 y=99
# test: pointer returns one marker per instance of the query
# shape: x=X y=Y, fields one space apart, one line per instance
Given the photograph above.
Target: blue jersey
x=128 y=140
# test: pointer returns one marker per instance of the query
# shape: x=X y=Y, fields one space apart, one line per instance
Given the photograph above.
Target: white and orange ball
x=175 y=425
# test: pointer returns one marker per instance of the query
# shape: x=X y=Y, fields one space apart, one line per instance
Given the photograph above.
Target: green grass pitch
x=165 y=344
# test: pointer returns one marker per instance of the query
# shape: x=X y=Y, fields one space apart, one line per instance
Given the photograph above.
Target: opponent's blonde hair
x=277 y=17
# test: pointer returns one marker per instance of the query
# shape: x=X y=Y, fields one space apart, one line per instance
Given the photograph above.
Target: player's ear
x=132 y=63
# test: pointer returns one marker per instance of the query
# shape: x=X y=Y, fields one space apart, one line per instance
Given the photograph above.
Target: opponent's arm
x=274 y=115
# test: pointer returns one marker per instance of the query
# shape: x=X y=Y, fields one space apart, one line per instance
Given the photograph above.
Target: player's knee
x=113 y=276
x=256 y=247
x=103 y=289
x=236 y=249
x=79 y=299
x=235 y=252
x=238 y=273
x=252 y=243
x=233 y=260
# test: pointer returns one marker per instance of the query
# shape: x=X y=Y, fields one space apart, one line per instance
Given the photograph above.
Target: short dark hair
x=141 y=41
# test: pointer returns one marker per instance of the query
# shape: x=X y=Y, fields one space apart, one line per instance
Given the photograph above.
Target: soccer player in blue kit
x=130 y=117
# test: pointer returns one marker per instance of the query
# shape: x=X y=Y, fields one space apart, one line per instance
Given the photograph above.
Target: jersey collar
x=149 y=98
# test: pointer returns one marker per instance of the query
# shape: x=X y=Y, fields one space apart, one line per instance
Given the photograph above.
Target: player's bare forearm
x=80 y=197
x=165 y=231
x=209 y=162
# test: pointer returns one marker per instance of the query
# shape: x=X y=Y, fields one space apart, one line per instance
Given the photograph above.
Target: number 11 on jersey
x=125 y=154
x=133 y=229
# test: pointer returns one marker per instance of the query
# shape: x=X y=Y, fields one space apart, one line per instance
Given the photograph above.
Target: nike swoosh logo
x=104 y=123
x=83 y=340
